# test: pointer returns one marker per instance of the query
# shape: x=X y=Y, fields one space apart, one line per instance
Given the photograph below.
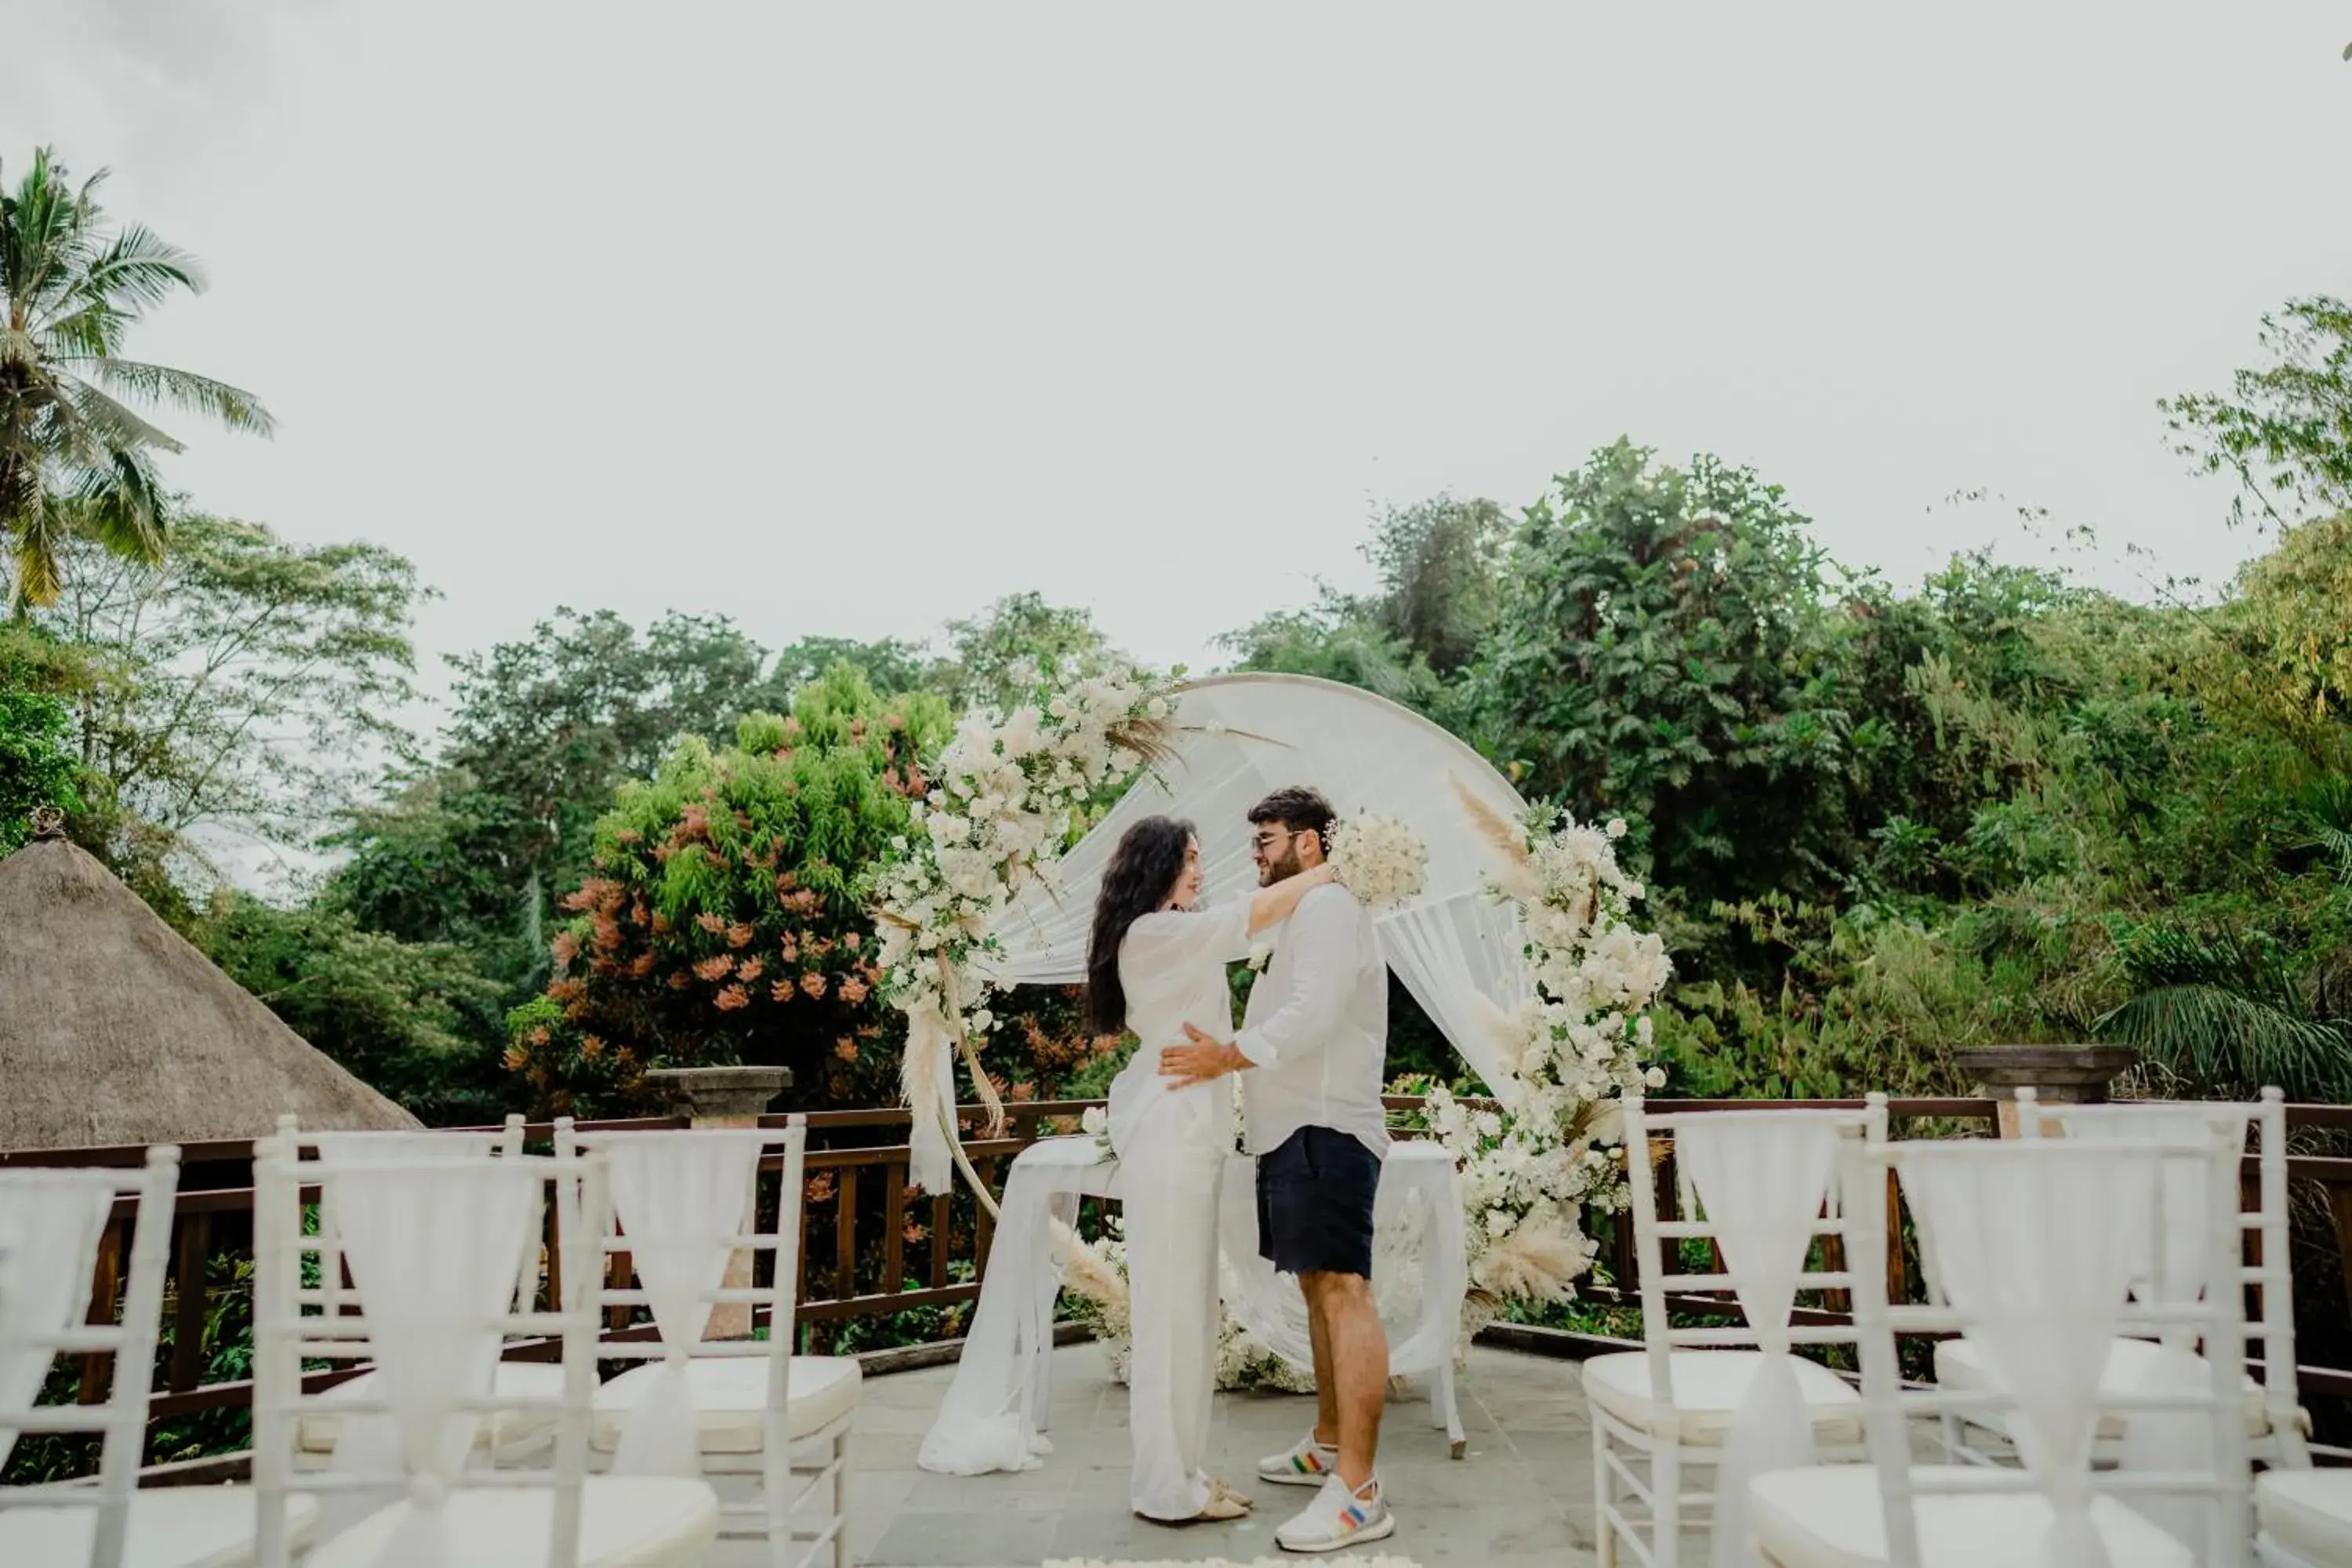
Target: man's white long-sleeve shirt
x=1315 y=1032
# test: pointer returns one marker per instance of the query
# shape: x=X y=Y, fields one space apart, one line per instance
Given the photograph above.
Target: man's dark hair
x=1296 y=808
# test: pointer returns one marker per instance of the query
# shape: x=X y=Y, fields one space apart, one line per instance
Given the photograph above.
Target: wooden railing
x=872 y=1248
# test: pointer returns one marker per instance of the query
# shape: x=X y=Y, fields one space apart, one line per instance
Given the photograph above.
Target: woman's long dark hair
x=1143 y=868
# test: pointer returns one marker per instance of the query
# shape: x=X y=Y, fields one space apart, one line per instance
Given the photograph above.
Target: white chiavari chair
x=514 y=1432
x=685 y=1204
x=51 y=1222
x=1762 y=1186
x=2277 y=1426
x=2035 y=1245
x=431 y=1238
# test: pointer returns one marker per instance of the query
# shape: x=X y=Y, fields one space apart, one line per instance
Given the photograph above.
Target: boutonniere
x=1261 y=953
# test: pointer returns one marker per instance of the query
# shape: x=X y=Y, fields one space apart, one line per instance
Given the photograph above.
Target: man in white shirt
x=1311 y=1050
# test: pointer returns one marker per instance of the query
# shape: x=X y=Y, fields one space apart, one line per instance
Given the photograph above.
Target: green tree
x=413 y=1020
x=1342 y=638
x=891 y=665
x=991 y=657
x=244 y=684
x=551 y=725
x=1662 y=651
x=1439 y=564
x=36 y=769
x=2284 y=429
x=77 y=459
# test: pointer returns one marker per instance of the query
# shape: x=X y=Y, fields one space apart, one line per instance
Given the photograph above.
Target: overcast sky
x=846 y=321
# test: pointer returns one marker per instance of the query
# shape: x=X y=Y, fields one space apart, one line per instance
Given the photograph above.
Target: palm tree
x=74 y=457
x=2232 y=1010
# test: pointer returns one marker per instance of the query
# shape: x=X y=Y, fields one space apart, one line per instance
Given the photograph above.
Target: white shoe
x=1338 y=1519
x=1307 y=1464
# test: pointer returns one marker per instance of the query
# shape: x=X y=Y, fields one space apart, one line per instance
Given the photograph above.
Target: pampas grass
x=1510 y=1036
x=1084 y=1271
x=1537 y=1262
x=1514 y=871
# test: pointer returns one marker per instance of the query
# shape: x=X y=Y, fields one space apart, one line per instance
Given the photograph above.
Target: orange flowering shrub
x=719 y=924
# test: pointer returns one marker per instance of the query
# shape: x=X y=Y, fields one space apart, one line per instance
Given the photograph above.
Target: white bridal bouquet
x=1379 y=859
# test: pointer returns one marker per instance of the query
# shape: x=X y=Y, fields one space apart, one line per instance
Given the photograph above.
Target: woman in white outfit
x=1156 y=963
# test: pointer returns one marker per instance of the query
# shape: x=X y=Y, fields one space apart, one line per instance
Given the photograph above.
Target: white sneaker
x=1338 y=1519
x=1307 y=1464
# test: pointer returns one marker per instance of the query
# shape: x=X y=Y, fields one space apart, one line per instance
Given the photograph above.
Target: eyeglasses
x=1268 y=840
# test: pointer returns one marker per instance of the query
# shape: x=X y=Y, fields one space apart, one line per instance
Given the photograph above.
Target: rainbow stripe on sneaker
x=1309 y=1462
x=1337 y=1519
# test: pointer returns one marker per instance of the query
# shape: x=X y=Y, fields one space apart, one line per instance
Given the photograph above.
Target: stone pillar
x=724 y=1096
x=2058 y=1075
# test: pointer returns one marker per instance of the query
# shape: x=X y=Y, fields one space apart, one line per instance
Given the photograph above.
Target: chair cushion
x=1710 y=1387
x=514 y=1431
x=171 y=1527
x=2309 y=1513
x=1961 y=1365
x=1830 y=1516
x=730 y=1399
x=625 y=1521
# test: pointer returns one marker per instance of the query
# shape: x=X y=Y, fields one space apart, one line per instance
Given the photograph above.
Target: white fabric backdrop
x=1239 y=737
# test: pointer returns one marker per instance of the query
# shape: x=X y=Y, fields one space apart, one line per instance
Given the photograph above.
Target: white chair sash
x=432 y=1253
x=2038 y=1254
x=682 y=1199
x=1760 y=1179
x=368 y=1443
x=50 y=1223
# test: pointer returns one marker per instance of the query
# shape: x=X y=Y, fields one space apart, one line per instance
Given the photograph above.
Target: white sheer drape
x=50 y=1222
x=1243 y=736
x=1760 y=1179
x=682 y=1199
x=1464 y=960
x=432 y=1253
x=989 y=1420
x=2038 y=1253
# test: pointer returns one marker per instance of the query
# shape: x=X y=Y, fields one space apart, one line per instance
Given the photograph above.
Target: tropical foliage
x=1876 y=823
x=77 y=458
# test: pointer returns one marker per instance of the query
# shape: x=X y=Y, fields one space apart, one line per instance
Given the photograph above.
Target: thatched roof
x=114 y=1030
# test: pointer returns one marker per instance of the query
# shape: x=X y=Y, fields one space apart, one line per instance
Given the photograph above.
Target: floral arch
x=1519 y=947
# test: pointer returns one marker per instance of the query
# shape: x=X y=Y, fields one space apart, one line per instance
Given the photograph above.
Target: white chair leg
x=841 y=1499
x=1666 y=1504
x=1449 y=1410
x=776 y=1495
x=1604 y=1503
